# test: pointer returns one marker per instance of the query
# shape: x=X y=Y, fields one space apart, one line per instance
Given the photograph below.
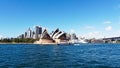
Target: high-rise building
x=73 y=36
x=25 y=35
x=33 y=35
x=38 y=31
x=29 y=33
x=68 y=36
x=21 y=36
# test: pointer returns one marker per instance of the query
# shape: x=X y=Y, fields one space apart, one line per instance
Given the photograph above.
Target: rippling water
x=50 y=56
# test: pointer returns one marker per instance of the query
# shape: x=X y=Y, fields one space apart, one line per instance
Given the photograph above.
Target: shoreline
x=41 y=43
x=58 y=43
x=16 y=43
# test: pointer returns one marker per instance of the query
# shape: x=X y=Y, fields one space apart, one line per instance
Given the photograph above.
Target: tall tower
x=25 y=35
x=29 y=33
x=38 y=31
x=33 y=35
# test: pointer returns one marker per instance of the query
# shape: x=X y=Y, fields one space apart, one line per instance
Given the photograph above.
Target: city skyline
x=29 y=33
x=88 y=18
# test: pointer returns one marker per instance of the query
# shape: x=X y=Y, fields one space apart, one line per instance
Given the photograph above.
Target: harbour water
x=60 y=56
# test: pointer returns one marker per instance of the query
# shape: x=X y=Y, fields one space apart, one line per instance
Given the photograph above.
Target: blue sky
x=88 y=18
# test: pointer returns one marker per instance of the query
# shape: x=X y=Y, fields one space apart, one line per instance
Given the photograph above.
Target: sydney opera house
x=56 y=36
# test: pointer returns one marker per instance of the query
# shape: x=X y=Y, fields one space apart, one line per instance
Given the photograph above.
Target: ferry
x=78 y=42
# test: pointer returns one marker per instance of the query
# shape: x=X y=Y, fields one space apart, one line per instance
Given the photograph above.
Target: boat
x=78 y=42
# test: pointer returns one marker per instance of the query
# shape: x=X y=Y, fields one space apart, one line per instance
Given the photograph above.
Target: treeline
x=18 y=40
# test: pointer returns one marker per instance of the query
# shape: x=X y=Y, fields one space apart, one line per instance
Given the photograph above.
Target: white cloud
x=94 y=34
x=89 y=27
x=72 y=31
x=116 y=33
x=107 y=22
x=102 y=34
x=108 y=28
x=1 y=36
